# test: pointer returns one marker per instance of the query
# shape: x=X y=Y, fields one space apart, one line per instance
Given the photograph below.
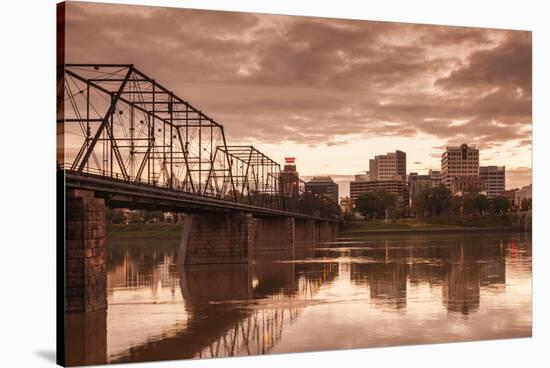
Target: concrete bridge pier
x=274 y=234
x=325 y=231
x=304 y=233
x=223 y=238
x=85 y=268
x=209 y=238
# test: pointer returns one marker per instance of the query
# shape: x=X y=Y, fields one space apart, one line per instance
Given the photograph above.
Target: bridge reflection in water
x=159 y=310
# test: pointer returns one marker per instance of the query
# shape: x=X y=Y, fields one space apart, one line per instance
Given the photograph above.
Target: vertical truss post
x=105 y=120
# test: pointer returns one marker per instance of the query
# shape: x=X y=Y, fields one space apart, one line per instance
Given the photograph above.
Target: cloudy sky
x=330 y=92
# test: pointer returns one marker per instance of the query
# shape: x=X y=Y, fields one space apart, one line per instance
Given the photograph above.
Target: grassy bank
x=427 y=224
x=432 y=224
x=119 y=231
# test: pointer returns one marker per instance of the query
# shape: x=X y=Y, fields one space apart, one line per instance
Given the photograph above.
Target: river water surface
x=359 y=291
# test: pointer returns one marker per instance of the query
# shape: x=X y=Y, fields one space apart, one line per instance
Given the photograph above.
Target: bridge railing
x=307 y=203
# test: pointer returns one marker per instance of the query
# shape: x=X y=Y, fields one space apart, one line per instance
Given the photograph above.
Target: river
x=359 y=291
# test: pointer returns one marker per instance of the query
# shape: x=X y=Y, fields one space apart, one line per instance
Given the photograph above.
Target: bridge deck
x=119 y=193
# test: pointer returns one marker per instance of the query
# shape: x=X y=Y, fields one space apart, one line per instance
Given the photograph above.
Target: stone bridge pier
x=304 y=233
x=325 y=231
x=274 y=234
x=210 y=238
x=85 y=267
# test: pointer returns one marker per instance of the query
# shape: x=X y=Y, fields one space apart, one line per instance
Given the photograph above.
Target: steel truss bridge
x=136 y=143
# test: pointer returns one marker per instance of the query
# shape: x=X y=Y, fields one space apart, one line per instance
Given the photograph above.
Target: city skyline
x=343 y=181
x=330 y=92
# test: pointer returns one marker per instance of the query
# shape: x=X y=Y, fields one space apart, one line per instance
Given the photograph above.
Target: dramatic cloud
x=506 y=66
x=316 y=81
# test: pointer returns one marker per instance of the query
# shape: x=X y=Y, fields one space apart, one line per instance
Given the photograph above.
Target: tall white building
x=458 y=164
x=388 y=166
x=494 y=179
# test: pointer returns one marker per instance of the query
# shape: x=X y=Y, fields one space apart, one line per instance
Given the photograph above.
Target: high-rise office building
x=494 y=179
x=388 y=166
x=397 y=187
x=463 y=184
x=459 y=164
x=323 y=185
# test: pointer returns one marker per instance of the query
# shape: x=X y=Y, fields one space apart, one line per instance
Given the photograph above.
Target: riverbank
x=441 y=224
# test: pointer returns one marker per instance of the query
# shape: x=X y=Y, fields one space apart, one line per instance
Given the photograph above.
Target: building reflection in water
x=469 y=269
x=159 y=310
x=461 y=270
x=387 y=282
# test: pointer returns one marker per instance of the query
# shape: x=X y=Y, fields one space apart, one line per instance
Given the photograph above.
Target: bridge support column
x=274 y=234
x=326 y=231
x=209 y=238
x=85 y=269
x=304 y=233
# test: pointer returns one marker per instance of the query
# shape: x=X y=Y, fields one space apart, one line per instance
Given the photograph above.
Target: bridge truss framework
x=116 y=122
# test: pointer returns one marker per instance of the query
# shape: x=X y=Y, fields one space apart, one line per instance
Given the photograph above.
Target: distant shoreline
x=376 y=227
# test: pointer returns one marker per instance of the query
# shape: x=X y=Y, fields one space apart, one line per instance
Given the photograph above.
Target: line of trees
x=439 y=201
x=376 y=204
x=432 y=202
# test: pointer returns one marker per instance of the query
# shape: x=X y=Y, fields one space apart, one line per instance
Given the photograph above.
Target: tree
x=433 y=200
x=475 y=203
x=366 y=204
x=115 y=216
x=500 y=204
x=135 y=217
x=457 y=204
x=375 y=203
x=387 y=202
x=483 y=203
x=399 y=211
